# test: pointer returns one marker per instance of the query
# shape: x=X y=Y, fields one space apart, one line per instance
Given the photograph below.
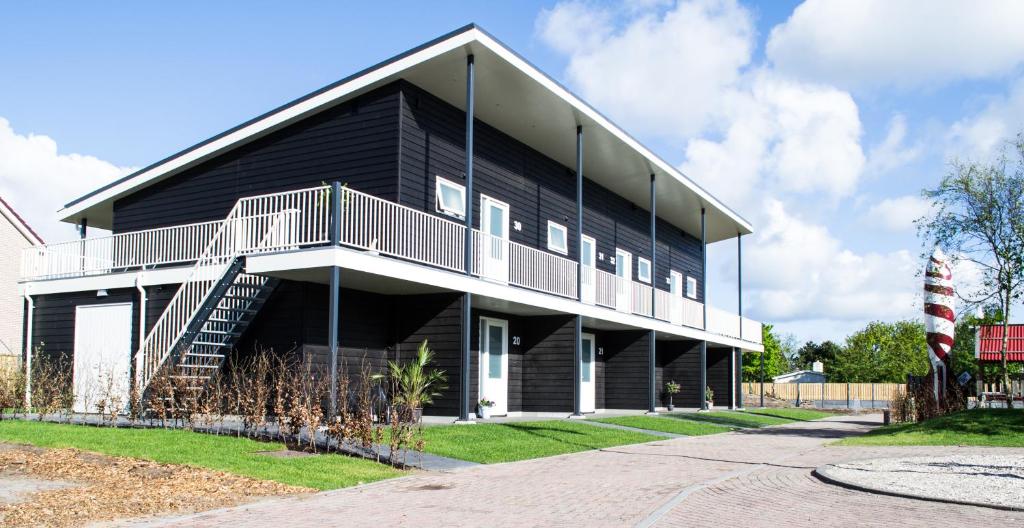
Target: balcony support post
x=704 y=298
x=577 y=384
x=652 y=349
x=335 y=296
x=739 y=280
x=739 y=376
x=732 y=378
x=467 y=298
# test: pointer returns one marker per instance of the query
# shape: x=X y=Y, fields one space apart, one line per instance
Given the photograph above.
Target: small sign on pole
x=963 y=378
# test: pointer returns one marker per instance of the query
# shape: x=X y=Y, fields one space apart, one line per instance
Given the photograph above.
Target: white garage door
x=103 y=348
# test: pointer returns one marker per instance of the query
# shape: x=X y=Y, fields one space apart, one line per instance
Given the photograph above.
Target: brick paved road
x=753 y=478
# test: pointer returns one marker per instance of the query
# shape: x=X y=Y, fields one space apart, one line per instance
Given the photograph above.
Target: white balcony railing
x=296 y=219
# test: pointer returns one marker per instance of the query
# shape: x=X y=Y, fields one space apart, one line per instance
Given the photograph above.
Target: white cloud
x=892 y=153
x=871 y=43
x=798 y=270
x=980 y=136
x=663 y=71
x=37 y=180
x=796 y=137
x=897 y=214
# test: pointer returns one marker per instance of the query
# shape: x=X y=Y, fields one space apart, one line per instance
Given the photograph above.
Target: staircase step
x=220 y=332
x=242 y=297
x=207 y=343
x=247 y=286
x=235 y=310
x=183 y=376
x=196 y=354
x=199 y=366
x=222 y=320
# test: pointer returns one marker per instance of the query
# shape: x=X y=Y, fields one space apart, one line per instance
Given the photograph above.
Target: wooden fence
x=829 y=392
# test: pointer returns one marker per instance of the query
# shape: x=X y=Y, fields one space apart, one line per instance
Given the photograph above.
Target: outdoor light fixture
x=101 y=293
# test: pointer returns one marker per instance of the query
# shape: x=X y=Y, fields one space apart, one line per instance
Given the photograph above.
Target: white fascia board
x=521 y=64
x=394 y=268
x=128 y=279
x=19 y=223
x=271 y=122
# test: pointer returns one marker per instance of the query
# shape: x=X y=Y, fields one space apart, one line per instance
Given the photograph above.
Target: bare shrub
x=12 y=389
x=51 y=384
x=308 y=392
x=110 y=398
x=253 y=389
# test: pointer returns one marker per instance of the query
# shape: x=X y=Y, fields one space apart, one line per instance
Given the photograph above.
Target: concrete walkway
x=746 y=478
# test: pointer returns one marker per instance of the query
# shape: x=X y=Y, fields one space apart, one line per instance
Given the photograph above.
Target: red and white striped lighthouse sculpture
x=939 y=315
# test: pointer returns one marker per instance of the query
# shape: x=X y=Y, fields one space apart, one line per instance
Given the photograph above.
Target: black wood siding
x=718 y=375
x=438 y=319
x=549 y=346
x=536 y=188
x=355 y=142
x=680 y=362
x=626 y=368
x=53 y=321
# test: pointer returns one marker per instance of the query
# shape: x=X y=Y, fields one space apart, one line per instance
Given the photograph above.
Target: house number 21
x=515 y=340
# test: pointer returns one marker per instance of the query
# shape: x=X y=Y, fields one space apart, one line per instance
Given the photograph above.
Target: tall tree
x=978 y=214
x=775 y=361
x=881 y=352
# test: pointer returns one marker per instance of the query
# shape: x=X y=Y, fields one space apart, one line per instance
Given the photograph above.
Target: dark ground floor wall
x=374 y=329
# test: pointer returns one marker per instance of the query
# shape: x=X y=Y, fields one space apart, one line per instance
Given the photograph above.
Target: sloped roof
x=19 y=223
x=512 y=95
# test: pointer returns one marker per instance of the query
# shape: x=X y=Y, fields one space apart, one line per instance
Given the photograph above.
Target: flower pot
x=710 y=404
x=671 y=407
x=485 y=413
x=417 y=415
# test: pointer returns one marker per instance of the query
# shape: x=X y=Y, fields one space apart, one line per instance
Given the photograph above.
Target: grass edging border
x=821 y=472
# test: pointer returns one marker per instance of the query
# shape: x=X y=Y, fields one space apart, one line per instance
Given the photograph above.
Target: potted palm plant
x=485 y=408
x=671 y=388
x=414 y=384
x=709 y=396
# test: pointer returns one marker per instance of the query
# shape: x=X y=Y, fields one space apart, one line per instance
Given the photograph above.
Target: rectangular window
x=451 y=198
x=643 y=270
x=558 y=238
x=691 y=287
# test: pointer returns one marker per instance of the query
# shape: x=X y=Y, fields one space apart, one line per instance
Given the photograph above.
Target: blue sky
x=820 y=122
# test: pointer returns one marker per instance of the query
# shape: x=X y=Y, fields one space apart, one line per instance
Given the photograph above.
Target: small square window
x=451 y=198
x=558 y=238
x=691 y=287
x=643 y=270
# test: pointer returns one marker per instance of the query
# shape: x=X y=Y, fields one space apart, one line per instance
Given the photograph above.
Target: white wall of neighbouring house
x=13 y=240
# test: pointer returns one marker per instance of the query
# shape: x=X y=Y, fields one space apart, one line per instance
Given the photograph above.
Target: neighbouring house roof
x=988 y=343
x=19 y=223
x=511 y=95
x=798 y=373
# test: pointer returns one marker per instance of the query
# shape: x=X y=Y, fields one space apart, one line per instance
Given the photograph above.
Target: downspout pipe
x=139 y=358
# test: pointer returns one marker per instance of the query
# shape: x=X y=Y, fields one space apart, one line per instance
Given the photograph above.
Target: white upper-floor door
x=494 y=247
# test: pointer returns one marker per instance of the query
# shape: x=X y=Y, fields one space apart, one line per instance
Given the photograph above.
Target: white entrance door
x=588 y=260
x=494 y=363
x=623 y=280
x=588 y=375
x=103 y=348
x=494 y=239
x=676 y=299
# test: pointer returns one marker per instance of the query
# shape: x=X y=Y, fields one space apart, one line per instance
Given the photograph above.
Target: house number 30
x=516 y=340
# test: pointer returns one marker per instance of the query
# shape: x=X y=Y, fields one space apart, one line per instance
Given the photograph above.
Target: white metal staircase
x=217 y=302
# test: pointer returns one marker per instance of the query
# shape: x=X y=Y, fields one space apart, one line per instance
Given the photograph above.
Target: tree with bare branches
x=978 y=215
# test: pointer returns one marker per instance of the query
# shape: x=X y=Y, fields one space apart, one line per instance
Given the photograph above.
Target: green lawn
x=667 y=425
x=696 y=424
x=225 y=453
x=508 y=442
x=978 y=427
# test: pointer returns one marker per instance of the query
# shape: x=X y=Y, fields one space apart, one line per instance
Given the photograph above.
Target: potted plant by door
x=709 y=396
x=671 y=388
x=485 y=408
x=414 y=384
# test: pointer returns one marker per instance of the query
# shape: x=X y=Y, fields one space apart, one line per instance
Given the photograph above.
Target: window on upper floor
x=643 y=270
x=451 y=198
x=691 y=287
x=558 y=238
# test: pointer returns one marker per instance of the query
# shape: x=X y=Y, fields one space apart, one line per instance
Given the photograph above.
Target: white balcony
x=302 y=219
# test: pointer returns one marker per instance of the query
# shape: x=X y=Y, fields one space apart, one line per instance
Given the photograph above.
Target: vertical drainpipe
x=704 y=284
x=467 y=298
x=28 y=350
x=334 y=309
x=652 y=338
x=577 y=385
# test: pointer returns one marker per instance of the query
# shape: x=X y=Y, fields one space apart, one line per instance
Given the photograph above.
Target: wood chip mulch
x=109 y=488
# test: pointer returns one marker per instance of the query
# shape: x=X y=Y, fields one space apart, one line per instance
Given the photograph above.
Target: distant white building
x=815 y=375
x=15 y=235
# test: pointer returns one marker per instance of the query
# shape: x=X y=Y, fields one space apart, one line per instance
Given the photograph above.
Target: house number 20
x=515 y=340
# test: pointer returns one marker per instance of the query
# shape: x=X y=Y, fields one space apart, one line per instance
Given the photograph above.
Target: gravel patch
x=984 y=480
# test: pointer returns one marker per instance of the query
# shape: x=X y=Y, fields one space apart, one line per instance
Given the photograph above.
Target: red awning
x=989 y=344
